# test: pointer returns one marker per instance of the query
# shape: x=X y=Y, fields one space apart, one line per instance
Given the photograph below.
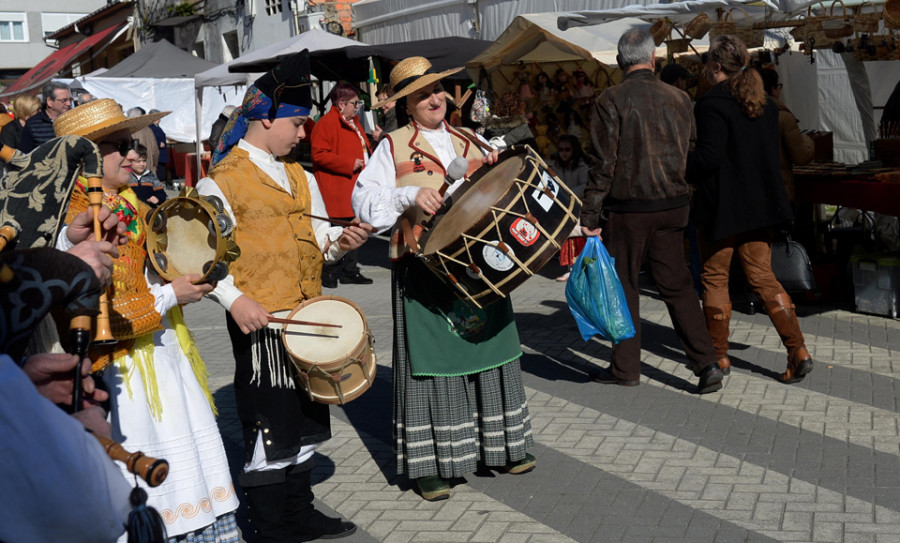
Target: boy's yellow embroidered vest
x=417 y=164
x=280 y=263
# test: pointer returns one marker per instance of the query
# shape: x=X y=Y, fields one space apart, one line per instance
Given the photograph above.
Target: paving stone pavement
x=758 y=461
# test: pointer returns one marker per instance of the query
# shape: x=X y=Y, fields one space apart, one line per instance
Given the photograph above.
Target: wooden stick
x=304 y=323
x=332 y=221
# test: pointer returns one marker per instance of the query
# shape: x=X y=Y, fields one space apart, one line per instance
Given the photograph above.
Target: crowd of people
x=458 y=397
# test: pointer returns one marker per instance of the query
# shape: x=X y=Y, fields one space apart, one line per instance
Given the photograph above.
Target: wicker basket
x=891 y=12
x=699 y=26
x=837 y=27
x=679 y=45
x=811 y=31
x=725 y=25
x=660 y=30
x=866 y=22
x=752 y=37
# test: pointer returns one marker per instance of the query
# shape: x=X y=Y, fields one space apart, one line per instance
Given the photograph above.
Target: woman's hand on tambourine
x=51 y=374
x=429 y=200
x=82 y=227
x=491 y=157
x=248 y=314
x=186 y=292
x=354 y=235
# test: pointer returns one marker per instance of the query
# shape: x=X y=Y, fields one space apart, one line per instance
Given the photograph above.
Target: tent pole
x=198 y=117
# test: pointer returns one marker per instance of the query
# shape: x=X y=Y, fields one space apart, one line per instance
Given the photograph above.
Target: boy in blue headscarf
x=282 y=253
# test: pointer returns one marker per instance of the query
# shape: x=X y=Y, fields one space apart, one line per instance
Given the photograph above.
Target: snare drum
x=191 y=234
x=334 y=365
x=502 y=227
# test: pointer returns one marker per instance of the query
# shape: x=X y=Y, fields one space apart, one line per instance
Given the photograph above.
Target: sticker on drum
x=524 y=231
x=540 y=195
x=495 y=258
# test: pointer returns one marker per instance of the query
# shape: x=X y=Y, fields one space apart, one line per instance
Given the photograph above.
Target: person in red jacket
x=340 y=149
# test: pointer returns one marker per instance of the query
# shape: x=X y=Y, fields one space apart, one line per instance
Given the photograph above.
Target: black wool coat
x=735 y=168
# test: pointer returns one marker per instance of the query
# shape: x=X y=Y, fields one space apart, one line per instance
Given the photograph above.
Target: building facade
x=25 y=27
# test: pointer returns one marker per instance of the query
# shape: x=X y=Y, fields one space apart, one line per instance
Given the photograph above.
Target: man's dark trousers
x=658 y=236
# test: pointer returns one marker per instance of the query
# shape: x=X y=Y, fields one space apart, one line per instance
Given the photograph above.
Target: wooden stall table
x=858 y=191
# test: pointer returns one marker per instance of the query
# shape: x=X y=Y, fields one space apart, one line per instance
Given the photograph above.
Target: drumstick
x=305 y=323
x=333 y=221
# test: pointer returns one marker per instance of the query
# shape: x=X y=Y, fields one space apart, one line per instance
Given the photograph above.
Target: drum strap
x=483 y=146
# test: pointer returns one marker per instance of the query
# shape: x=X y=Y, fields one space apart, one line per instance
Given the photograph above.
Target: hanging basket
x=725 y=25
x=866 y=22
x=891 y=12
x=837 y=27
x=812 y=33
x=679 y=45
x=752 y=37
x=699 y=26
x=660 y=30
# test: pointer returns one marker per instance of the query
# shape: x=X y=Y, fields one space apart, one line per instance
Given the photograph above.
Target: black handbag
x=792 y=266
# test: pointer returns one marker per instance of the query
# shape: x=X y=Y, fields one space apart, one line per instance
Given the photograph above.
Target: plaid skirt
x=223 y=530
x=446 y=425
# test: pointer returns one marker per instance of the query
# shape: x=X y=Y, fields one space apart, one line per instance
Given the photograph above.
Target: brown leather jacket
x=642 y=130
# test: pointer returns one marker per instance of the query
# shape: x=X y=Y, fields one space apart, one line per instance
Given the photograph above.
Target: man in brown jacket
x=641 y=130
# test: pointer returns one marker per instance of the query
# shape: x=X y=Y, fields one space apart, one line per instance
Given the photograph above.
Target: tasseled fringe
x=142 y=356
x=266 y=344
x=189 y=348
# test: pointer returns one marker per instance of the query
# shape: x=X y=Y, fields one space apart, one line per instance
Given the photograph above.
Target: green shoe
x=522 y=466
x=433 y=488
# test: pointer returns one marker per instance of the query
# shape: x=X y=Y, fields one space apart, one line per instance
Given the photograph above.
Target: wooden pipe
x=102 y=334
x=152 y=470
x=6 y=152
x=7 y=234
x=80 y=337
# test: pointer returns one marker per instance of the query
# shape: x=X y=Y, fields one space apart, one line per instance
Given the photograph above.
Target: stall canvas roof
x=264 y=59
x=160 y=60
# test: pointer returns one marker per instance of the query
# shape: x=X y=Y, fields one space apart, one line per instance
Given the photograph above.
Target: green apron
x=447 y=337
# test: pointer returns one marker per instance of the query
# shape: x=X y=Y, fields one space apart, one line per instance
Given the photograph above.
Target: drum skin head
x=322 y=345
x=475 y=203
x=190 y=244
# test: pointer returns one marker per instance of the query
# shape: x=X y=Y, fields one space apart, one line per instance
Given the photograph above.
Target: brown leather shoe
x=605 y=377
x=799 y=364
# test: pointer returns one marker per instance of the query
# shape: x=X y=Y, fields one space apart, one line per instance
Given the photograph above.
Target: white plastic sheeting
x=175 y=95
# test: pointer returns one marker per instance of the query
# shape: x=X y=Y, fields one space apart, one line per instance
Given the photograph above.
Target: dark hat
x=288 y=83
x=672 y=72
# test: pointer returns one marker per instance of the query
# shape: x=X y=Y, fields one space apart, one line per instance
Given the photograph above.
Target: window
x=273 y=7
x=198 y=49
x=13 y=27
x=51 y=22
x=232 y=50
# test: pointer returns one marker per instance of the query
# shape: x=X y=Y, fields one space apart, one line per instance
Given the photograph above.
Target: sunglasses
x=123 y=146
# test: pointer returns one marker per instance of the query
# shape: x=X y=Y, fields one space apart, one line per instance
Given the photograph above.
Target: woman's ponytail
x=744 y=83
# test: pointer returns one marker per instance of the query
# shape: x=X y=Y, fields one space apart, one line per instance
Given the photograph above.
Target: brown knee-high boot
x=781 y=312
x=717 y=321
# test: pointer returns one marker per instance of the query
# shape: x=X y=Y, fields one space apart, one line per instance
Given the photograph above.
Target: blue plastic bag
x=595 y=295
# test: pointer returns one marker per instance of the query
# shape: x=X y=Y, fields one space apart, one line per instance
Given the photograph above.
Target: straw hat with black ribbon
x=100 y=118
x=412 y=74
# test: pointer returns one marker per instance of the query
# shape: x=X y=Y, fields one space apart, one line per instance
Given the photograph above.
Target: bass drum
x=502 y=227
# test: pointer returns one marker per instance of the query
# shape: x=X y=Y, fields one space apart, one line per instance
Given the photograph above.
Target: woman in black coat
x=740 y=197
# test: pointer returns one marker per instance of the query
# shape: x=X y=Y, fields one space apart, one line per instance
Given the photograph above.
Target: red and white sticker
x=524 y=231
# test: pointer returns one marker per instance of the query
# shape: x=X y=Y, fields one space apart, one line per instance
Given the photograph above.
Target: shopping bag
x=595 y=295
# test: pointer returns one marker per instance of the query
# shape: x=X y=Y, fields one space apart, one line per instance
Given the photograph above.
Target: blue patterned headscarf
x=256 y=106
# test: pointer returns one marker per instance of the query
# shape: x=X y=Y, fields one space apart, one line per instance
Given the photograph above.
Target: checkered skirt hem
x=446 y=425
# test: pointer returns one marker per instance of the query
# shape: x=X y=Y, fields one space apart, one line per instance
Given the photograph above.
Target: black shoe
x=355 y=278
x=710 y=379
x=318 y=526
x=329 y=281
x=604 y=376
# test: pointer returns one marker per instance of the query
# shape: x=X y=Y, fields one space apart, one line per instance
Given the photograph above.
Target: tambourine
x=191 y=234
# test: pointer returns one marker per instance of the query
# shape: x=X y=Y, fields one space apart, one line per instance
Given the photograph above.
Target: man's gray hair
x=135 y=112
x=48 y=90
x=636 y=46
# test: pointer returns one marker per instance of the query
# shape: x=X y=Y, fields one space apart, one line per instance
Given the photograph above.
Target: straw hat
x=410 y=75
x=100 y=118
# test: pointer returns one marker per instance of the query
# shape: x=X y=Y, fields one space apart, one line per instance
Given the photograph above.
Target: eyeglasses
x=356 y=103
x=63 y=100
x=123 y=147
